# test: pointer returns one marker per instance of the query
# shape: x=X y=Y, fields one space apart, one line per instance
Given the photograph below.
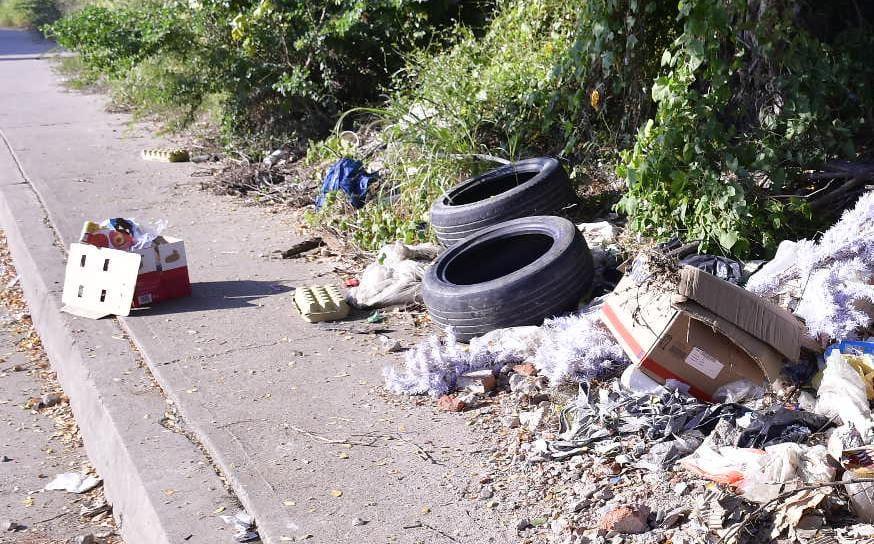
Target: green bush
x=546 y=77
x=748 y=99
x=28 y=13
x=283 y=69
x=709 y=110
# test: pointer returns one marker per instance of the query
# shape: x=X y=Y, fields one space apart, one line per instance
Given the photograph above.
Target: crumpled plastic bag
x=349 y=176
x=73 y=482
x=394 y=278
x=761 y=475
x=842 y=393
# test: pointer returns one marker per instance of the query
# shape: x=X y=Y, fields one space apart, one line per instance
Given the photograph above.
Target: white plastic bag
x=394 y=278
x=842 y=393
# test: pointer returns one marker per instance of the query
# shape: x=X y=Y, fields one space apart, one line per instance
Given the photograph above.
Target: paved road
x=270 y=398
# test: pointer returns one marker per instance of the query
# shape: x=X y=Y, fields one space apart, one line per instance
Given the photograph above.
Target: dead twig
x=735 y=530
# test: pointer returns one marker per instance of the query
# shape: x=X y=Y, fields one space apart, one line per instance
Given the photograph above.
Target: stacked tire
x=505 y=265
x=530 y=187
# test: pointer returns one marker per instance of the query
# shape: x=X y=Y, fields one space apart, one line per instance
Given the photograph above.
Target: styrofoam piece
x=99 y=281
x=633 y=379
x=320 y=303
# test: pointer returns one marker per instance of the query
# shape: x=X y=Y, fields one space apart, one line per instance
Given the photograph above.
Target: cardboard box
x=101 y=281
x=702 y=331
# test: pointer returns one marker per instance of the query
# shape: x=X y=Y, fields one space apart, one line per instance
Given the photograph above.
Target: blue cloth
x=349 y=176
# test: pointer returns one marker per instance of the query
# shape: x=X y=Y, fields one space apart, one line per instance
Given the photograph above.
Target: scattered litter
x=320 y=303
x=395 y=277
x=829 y=283
x=842 y=393
x=85 y=539
x=433 y=366
x=376 y=317
x=625 y=520
x=448 y=403
x=598 y=234
x=578 y=348
x=163 y=154
x=11 y=526
x=349 y=176
x=352 y=282
x=389 y=344
x=244 y=524
x=302 y=247
x=477 y=381
x=120 y=265
x=701 y=330
x=73 y=482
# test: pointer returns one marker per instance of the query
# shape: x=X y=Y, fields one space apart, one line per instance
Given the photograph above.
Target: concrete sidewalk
x=290 y=414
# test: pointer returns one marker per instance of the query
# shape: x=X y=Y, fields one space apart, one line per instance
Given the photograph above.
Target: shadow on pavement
x=218 y=295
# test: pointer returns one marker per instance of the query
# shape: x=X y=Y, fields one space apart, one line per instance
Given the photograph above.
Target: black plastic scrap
x=673 y=425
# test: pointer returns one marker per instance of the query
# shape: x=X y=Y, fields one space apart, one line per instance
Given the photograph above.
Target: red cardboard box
x=101 y=281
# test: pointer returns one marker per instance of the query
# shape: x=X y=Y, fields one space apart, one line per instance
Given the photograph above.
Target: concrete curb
x=162 y=487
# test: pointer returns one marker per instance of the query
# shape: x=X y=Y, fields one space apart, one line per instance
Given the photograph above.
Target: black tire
x=516 y=273
x=530 y=187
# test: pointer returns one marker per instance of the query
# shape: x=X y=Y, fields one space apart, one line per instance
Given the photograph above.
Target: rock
x=17 y=368
x=389 y=345
x=4 y=459
x=541 y=383
x=522 y=524
x=450 y=404
x=604 y=494
x=468 y=399
x=85 y=539
x=531 y=419
x=518 y=383
x=10 y=526
x=625 y=520
x=477 y=381
x=672 y=517
x=487 y=492
x=49 y=399
x=680 y=488
x=511 y=421
x=357 y=522
x=506 y=369
x=579 y=505
x=525 y=369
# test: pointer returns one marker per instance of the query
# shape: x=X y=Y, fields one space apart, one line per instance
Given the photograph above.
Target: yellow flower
x=595 y=99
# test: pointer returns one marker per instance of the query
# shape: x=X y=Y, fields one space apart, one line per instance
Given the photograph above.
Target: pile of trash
x=726 y=385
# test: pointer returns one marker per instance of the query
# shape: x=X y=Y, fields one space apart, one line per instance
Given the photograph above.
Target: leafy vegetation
x=28 y=13
x=279 y=70
x=709 y=111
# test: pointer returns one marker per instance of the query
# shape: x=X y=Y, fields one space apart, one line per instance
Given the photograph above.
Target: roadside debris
x=320 y=303
x=120 y=265
x=700 y=330
x=302 y=247
x=395 y=277
x=11 y=526
x=73 y=482
x=244 y=524
x=177 y=154
x=829 y=283
x=346 y=175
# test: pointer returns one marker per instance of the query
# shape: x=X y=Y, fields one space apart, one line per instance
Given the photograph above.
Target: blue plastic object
x=851 y=347
x=349 y=176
